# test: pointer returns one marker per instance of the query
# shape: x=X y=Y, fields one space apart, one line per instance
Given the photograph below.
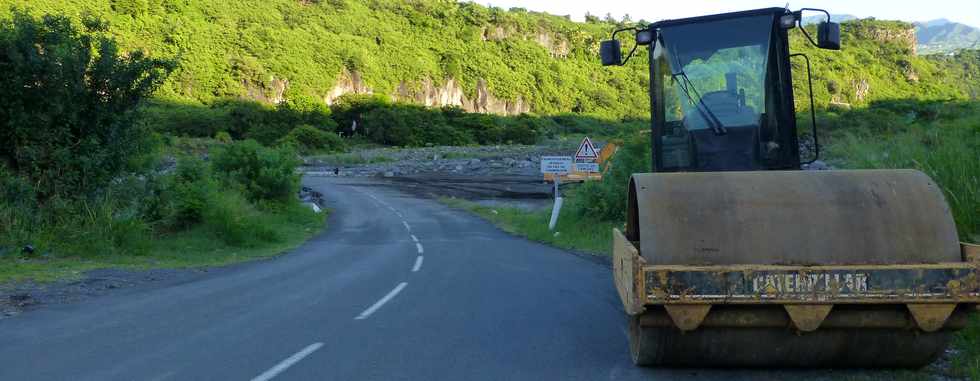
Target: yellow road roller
x=733 y=256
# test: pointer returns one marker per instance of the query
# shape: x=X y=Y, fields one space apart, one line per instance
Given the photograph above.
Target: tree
x=67 y=111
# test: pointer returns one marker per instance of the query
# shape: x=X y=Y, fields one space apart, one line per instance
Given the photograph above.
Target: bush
x=223 y=137
x=350 y=108
x=192 y=189
x=606 y=199
x=66 y=120
x=230 y=217
x=307 y=139
x=262 y=173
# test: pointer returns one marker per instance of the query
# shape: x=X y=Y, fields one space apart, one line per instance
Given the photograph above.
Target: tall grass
x=948 y=150
x=589 y=235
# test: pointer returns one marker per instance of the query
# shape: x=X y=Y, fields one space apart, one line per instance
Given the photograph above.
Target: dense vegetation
x=237 y=60
x=78 y=173
x=244 y=48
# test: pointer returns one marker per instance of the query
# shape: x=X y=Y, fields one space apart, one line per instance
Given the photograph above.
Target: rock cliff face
x=904 y=36
x=272 y=91
x=430 y=94
x=349 y=83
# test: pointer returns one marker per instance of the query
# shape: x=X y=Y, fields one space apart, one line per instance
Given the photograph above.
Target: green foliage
x=192 y=189
x=223 y=137
x=349 y=109
x=240 y=119
x=263 y=173
x=606 y=199
x=942 y=140
x=236 y=221
x=411 y=125
x=307 y=139
x=66 y=121
x=246 y=49
x=579 y=233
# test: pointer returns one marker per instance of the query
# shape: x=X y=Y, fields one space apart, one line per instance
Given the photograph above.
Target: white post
x=557 y=206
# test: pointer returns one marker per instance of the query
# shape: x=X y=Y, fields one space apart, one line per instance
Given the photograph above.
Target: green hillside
x=251 y=48
x=298 y=51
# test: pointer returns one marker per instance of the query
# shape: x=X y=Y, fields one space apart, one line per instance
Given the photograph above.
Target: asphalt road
x=397 y=288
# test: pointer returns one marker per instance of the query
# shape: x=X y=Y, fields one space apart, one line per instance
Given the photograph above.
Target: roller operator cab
x=731 y=256
x=721 y=91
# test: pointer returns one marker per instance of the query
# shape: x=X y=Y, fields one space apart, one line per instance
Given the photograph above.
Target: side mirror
x=611 y=53
x=828 y=36
x=644 y=37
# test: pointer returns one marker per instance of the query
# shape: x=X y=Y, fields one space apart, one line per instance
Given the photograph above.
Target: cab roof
x=721 y=16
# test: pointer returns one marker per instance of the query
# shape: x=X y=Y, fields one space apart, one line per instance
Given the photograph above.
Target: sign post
x=586 y=157
x=557 y=166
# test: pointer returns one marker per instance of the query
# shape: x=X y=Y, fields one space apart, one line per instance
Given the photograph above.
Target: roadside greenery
x=590 y=235
x=80 y=177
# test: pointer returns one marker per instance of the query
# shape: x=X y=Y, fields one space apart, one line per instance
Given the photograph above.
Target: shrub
x=307 y=139
x=192 y=189
x=412 y=126
x=223 y=137
x=263 y=173
x=350 y=108
x=230 y=217
x=67 y=121
x=606 y=199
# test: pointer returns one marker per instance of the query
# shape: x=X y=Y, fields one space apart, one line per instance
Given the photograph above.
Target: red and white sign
x=586 y=150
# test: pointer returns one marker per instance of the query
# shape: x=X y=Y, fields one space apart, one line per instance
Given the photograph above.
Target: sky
x=962 y=11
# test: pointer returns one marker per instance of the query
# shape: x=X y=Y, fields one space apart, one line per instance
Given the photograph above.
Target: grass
x=571 y=233
x=966 y=362
x=948 y=151
x=199 y=246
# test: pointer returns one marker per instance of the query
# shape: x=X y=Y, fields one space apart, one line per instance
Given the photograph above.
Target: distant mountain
x=944 y=36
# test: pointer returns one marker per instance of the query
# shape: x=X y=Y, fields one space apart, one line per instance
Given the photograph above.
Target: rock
x=388 y=174
x=459 y=168
x=475 y=162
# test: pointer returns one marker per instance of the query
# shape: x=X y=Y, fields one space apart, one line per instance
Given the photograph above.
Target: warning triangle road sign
x=586 y=150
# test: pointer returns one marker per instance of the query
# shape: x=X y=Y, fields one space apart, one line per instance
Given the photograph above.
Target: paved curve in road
x=397 y=288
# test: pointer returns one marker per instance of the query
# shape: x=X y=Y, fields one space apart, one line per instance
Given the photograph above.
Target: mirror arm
x=799 y=22
x=635 y=45
x=813 y=110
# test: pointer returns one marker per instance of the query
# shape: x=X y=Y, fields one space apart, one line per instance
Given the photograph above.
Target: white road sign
x=586 y=167
x=586 y=150
x=558 y=165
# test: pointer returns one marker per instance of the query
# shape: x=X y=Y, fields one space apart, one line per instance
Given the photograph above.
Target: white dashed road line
x=370 y=310
x=409 y=228
x=419 y=247
x=414 y=238
x=418 y=263
x=285 y=364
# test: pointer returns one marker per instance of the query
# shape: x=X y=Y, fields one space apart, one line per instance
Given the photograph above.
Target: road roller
x=734 y=256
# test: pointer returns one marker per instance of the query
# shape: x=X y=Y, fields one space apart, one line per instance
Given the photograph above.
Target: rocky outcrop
x=272 y=92
x=430 y=94
x=861 y=89
x=452 y=94
x=903 y=36
x=558 y=46
x=349 y=83
x=487 y=103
